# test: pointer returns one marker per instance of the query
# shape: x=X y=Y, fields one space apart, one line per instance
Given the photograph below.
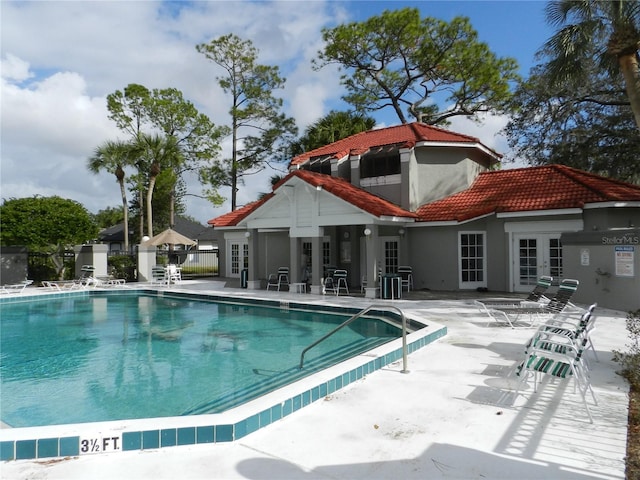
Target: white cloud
x=60 y=60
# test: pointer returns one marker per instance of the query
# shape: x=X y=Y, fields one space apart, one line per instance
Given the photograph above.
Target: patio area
x=451 y=416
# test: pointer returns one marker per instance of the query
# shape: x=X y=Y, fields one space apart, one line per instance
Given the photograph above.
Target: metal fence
x=195 y=263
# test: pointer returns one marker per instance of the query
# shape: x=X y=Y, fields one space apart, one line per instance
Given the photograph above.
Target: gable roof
x=233 y=218
x=405 y=136
x=339 y=187
x=547 y=187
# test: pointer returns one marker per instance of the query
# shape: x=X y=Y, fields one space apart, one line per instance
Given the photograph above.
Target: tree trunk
x=629 y=66
x=125 y=215
x=234 y=166
x=152 y=183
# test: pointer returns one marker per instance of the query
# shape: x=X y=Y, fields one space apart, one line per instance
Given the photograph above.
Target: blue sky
x=61 y=59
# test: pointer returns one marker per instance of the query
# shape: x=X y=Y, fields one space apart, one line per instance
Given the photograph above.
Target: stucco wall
x=607 y=264
x=437 y=172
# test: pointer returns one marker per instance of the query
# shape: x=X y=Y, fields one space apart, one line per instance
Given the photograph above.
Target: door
x=536 y=255
x=237 y=257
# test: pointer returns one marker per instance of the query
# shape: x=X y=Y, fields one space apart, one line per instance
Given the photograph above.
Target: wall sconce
x=319 y=188
x=367 y=231
x=247 y=234
x=401 y=232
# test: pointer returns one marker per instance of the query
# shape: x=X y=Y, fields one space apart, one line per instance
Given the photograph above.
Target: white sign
x=584 y=257
x=624 y=261
x=100 y=444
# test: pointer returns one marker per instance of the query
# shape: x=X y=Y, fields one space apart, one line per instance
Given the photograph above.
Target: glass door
x=536 y=255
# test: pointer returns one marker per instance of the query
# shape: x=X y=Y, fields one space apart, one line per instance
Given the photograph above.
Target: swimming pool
x=165 y=338
x=115 y=357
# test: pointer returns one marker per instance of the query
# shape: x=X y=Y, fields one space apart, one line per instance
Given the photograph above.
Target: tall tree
x=608 y=29
x=195 y=135
x=161 y=153
x=127 y=109
x=586 y=124
x=140 y=111
x=113 y=157
x=259 y=129
x=432 y=68
x=48 y=225
x=332 y=127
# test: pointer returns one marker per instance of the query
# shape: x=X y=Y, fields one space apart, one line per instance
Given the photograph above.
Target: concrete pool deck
x=449 y=417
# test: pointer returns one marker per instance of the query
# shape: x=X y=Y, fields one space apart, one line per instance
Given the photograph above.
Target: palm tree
x=610 y=29
x=113 y=157
x=161 y=153
x=334 y=126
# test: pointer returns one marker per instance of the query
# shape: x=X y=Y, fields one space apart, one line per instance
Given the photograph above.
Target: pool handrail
x=354 y=318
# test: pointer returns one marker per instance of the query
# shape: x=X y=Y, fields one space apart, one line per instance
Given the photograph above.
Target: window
x=390 y=256
x=555 y=258
x=380 y=162
x=326 y=253
x=472 y=259
x=235 y=258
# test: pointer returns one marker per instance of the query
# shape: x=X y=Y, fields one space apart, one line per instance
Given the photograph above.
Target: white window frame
x=467 y=285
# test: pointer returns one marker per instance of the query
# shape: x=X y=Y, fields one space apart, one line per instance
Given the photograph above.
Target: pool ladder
x=353 y=319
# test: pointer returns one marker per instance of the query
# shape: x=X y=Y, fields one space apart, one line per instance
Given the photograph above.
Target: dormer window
x=380 y=162
x=320 y=165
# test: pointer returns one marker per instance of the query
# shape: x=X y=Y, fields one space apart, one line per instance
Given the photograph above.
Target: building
x=429 y=198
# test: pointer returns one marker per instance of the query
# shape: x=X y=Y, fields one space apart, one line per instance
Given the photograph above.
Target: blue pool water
x=123 y=356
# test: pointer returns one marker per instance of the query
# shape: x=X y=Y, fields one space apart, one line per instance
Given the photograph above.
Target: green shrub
x=630 y=361
x=122 y=266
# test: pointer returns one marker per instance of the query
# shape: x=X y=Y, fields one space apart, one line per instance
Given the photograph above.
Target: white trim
x=611 y=204
x=538 y=213
x=387 y=218
x=549 y=226
x=461 y=144
x=471 y=285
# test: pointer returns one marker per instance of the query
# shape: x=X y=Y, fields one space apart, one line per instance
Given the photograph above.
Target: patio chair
x=406 y=274
x=16 y=287
x=159 y=275
x=85 y=279
x=536 y=295
x=559 y=358
x=174 y=274
x=340 y=279
x=533 y=310
x=279 y=280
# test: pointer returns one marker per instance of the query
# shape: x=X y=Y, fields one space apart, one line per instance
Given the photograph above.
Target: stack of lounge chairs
x=557 y=351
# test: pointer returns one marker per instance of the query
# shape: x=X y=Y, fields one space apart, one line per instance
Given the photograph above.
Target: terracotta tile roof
x=355 y=196
x=406 y=136
x=340 y=188
x=528 y=189
x=232 y=218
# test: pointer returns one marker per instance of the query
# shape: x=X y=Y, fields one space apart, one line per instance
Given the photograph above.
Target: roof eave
x=538 y=213
x=613 y=204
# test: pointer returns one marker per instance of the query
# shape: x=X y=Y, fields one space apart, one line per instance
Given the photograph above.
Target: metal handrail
x=354 y=318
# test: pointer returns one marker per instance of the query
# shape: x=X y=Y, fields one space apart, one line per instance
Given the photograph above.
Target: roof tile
x=547 y=187
x=406 y=135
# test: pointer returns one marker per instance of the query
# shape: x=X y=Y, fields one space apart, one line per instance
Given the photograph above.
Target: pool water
x=98 y=358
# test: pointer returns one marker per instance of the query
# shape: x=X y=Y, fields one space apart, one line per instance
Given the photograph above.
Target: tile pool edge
x=31 y=443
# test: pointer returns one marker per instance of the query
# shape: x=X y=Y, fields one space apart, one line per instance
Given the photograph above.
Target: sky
x=60 y=59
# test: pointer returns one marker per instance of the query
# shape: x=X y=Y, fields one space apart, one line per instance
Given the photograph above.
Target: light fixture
x=367 y=231
x=319 y=188
x=247 y=234
x=401 y=232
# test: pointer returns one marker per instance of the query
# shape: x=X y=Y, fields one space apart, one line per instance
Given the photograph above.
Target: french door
x=536 y=255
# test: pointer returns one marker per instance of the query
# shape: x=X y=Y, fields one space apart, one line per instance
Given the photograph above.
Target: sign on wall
x=624 y=256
